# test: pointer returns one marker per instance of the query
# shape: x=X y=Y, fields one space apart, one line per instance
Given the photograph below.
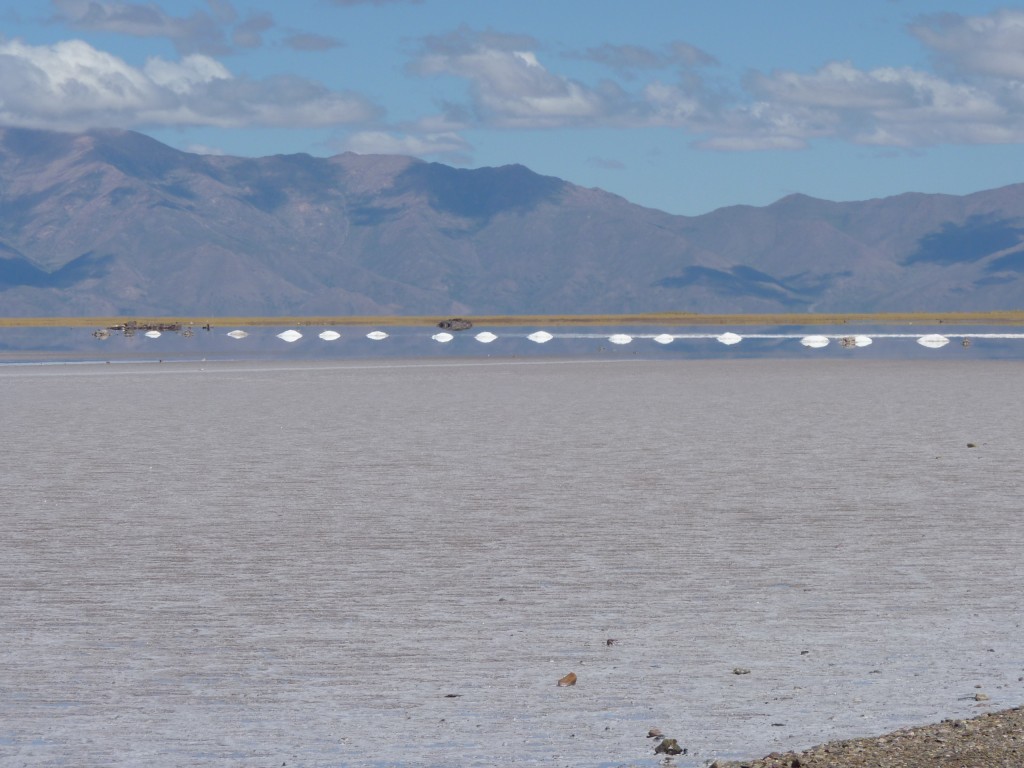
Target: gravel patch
x=992 y=740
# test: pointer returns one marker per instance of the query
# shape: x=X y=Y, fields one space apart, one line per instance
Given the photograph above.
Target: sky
x=681 y=105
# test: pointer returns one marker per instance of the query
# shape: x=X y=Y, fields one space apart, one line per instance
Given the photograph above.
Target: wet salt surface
x=393 y=564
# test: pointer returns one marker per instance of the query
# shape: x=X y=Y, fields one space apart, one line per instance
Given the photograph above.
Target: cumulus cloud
x=71 y=85
x=890 y=106
x=509 y=85
x=990 y=45
x=973 y=95
x=199 y=32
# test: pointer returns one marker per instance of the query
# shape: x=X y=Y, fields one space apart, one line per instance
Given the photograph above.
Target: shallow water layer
x=393 y=563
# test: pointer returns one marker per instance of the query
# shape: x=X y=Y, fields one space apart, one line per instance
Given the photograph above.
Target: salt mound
x=933 y=341
x=814 y=342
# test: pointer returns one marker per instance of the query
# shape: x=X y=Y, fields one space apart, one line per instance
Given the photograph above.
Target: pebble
x=669 y=747
x=740 y=671
x=569 y=679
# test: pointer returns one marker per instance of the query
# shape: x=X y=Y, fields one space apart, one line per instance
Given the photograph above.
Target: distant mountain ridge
x=116 y=223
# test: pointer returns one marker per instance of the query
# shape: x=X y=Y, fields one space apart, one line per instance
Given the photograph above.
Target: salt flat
x=238 y=564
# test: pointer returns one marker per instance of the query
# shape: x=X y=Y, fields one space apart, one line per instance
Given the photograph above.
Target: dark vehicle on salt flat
x=128 y=329
x=455 y=324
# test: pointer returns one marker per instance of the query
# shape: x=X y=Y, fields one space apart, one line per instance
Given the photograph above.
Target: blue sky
x=682 y=105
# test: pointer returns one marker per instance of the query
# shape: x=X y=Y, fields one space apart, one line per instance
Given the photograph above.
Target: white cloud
x=426 y=145
x=510 y=87
x=40 y=85
x=885 y=106
x=975 y=95
x=204 y=149
x=990 y=45
x=671 y=105
x=837 y=85
x=182 y=77
x=71 y=85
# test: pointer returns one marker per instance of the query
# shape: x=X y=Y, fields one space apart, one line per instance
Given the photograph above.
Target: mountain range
x=116 y=223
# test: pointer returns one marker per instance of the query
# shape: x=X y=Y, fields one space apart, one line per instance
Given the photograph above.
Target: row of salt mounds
x=815 y=341
x=292 y=335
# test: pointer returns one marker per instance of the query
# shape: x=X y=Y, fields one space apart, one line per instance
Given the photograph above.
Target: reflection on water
x=354 y=342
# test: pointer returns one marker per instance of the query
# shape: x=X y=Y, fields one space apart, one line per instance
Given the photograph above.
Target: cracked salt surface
x=333 y=565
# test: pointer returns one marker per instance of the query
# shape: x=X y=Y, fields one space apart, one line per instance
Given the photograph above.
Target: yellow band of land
x=1015 y=317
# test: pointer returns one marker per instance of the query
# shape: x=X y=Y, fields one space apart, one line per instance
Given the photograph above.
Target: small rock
x=654 y=733
x=569 y=679
x=971 y=445
x=740 y=671
x=981 y=697
x=610 y=641
x=669 y=747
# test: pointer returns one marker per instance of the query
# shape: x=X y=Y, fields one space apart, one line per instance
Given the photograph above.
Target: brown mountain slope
x=115 y=223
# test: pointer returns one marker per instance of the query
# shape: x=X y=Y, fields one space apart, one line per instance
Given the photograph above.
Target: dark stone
x=669 y=747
